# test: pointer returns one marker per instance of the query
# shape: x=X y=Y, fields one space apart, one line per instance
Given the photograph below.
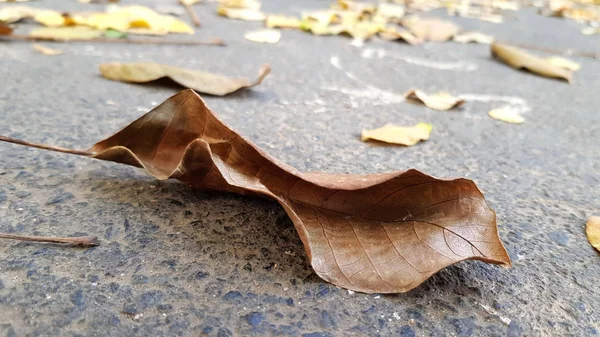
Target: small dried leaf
x=241 y=14
x=507 y=114
x=263 y=36
x=209 y=83
x=473 y=37
x=564 y=63
x=439 y=101
x=592 y=230
x=402 y=135
x=66 y=33
x=431 y=29
x=46 y=50
x=5 y=29
x=382 y=233
x=281 y=21
x=393 y=33
x=519 y=59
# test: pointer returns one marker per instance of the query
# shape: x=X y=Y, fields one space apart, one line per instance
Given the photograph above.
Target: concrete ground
x=180 y=262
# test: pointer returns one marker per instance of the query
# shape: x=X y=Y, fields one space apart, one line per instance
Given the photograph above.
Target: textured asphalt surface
x=181 y=262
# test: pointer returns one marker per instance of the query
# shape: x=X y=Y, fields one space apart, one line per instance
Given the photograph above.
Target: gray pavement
x=180 y=262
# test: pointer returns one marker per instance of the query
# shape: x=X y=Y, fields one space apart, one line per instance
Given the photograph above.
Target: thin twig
x=82 y=241
x=192 y=13
x=212 y=42
x=568 y=52
x=46 y=147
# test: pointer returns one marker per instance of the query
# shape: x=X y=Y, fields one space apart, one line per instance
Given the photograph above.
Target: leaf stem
x=46 y=147
x=192 y=13
x=211 y=42
x=82 y=241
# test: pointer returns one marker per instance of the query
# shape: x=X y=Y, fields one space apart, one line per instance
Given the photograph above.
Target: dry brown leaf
x=46 y=50
x=281 y=21
x=263 y=36
x=66 y=33
x=592 y=230
x=241 y=14
x=439 y=101
x=564 y=63
x=393 y=33
x=208 y=83
x=5 y=29
x=401 y=135
x=520 y=59
x=507 y=114
x=377 y=233
x=473 y=37
x=431 y=29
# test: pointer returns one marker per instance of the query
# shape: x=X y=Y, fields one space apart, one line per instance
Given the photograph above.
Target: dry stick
x=213 y=42
x=46 y=147
x=83 y=241
x=192 y=13
x=568 y=52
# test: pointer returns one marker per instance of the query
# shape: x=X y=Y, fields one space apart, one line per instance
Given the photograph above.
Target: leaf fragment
x=14 y=14
x=441 y=101
x=263 y=36
x=592 y=230
x=5 y=29
x=473 y=37
x=564 y=63
x=393 y=33
x=373 y=233
x=389 y=12
x=208 y=83
x=248 y=4
x=431 y=29
x=46 y=50
x=519 y=59
x=507 y=114
x=65 y=33
x=282 y=21
x=401 y=135
x=241 y=14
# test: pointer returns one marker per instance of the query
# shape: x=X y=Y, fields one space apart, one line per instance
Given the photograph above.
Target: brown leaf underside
x=379 y=233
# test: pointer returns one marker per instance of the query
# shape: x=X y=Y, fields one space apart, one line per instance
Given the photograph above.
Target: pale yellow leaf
x=439 y=101
x=473 y=37
x=507 y=114
x=190 y=2
x=49 y=18
x=519 y=59
x=355 y=6
x=16 y=13
x=590 y=30
x=263 y=36
x=431 y=29
x=564 y=63
x=282 y=21
x=46 y=50
x=392 y=33
x=390 y=12
x=66 y=33
x=592 y=230
x=247 y=4
x=241 y=14
x=402 y=135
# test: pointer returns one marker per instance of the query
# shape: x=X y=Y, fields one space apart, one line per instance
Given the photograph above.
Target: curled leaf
x=564 y=63
x=507 y=114
x=473 y=37
x=431 y=29
x=519 y=59
x=381 y=233
x=46 y=50
x=439 y=101
x=209 y=83
x=263 y=36
x=65 y=33
x=401 y=135
x=592 y=230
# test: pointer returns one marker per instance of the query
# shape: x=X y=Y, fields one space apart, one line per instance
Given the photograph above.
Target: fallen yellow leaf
x=439 y=101
x=249 y=4
x=16 y=13
x=520 y=59
x=320 y=18
x=473 y=37
x=204 y=82
x=263 y=36
x=241 y=14
x=402 y=135
x=590 y=30
x=564 y=63
x=281 y=21
x=355 y=6
x=507 y=114
x=390 y=12
x=46 y=50
x=65 y=33
x=49 y=18
x=592 y=230
x=393 y=33
x=431 y=29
